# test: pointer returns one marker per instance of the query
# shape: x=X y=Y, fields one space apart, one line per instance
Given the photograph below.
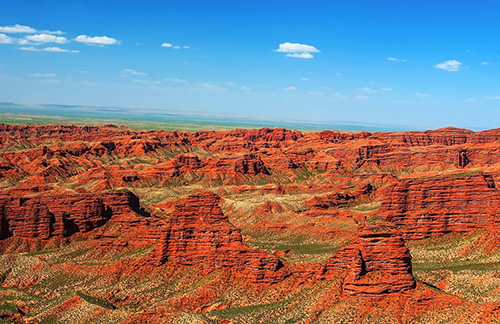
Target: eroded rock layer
x=379 y=262
x=200 y=234
x=439 y=205
x=63 y=215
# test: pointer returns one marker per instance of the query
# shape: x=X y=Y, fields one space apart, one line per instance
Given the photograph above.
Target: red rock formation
x=338 y=199
x=435 y=206
x=47 y=216
x=337 y=137
x=443 y=136
x=179 y=166
x=200 y=234
x=250 y=164
x=332 y=200
x=376 y=263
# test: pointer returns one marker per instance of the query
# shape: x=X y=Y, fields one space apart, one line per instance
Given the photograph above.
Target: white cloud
x=361 y=97
x=292 y=88
x=96 y=40
x=30 y=48
x=386 y=89
x=4 y=39
x=304 y=79
x=169 y=45
x=244 y=88
x=47 y=49
x=21 y=29
x=297 y=50
x=494 y=97
x=46 y=38
x=301 y=55
x=339 y=95
x=43 y=75
x=315 y=93
x=421 y=95
x=471 y=99
x=58 y=49
x=395 y=59
x=133 y=72
x=57 y=32
x=17 y=29
x=450 y=66
x=485 y=63
x=338 y=74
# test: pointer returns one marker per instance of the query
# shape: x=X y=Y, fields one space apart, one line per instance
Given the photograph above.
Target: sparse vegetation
x=96 y=301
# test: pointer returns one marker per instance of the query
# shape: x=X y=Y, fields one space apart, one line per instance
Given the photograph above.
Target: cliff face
x=51 y=216
x=435 y=206
x=386 y=263
x=377 y=262
x=200 y=234
x=47 y=216
x=250 y=164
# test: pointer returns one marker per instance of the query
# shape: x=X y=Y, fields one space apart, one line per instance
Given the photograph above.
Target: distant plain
x=154 y=119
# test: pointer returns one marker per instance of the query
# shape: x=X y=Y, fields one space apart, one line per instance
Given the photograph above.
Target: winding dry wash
x=104 y=224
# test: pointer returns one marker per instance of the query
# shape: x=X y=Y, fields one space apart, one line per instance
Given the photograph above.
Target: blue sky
x=425 y=64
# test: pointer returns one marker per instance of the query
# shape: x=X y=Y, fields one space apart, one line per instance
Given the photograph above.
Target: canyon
x=104 y=224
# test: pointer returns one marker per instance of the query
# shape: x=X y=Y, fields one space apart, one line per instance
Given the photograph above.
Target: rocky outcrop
x=200 y=234
x=240 y=140
x=337 y=137
x=377 y=262
x=444 y=136
x=339 y=199
x=179 y=166
x=249 y=164
x=62 y=215
x=435 y=206
x=328 y=201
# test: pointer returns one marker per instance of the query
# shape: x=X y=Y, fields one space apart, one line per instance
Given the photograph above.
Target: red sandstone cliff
x=382 y=263
x=63 y=215
x=200 y=234
x=439 y=205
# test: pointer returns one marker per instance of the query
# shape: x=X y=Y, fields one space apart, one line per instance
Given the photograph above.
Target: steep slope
x=198 y=233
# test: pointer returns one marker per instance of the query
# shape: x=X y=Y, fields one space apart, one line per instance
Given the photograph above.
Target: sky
x=424 y=64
